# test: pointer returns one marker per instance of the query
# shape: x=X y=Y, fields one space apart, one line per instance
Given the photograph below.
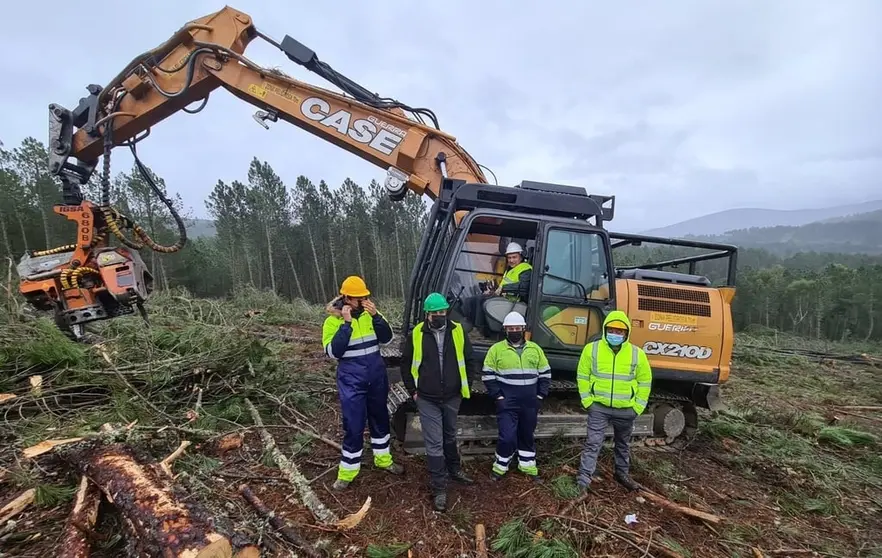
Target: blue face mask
x=615 y=339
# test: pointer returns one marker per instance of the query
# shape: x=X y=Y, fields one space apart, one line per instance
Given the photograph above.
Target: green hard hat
x=435 y=302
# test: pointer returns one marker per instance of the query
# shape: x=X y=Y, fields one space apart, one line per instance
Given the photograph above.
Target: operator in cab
x=352 y=334
x=435 y=361
x=518 y=377
x=614 y=380
x=514 y=257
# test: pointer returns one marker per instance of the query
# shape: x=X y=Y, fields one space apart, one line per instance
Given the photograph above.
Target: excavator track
x=668 y=424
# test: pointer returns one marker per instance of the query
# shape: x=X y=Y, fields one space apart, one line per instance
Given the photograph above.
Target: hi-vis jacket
x=516 y=373
x=616 y=379
x=513 y=275
x=355 y=345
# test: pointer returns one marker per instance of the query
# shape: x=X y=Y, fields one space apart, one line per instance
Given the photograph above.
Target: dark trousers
x=363 y=399
x=599 y=416
x=516 y=418
x=438 y=423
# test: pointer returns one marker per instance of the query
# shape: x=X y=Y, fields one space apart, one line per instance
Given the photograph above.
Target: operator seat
x=497 y=307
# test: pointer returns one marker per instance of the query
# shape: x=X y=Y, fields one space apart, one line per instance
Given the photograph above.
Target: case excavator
x=681 y=319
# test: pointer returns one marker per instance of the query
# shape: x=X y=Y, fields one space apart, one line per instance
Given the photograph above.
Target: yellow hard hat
x=354 y=286
x=617 y=324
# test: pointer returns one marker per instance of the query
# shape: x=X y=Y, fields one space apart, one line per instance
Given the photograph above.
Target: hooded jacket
x=615 y=377
x=356 y=345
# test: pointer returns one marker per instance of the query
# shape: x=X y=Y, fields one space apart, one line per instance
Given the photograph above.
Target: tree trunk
x=333 y=256
x=45 y=227
x=400 y=263
x=318 y=269
x=871 y=317
x=360 y=260
x=294 y=271
x=159 y=524
x=24 y=236
x=269 y=257
x=6 y=243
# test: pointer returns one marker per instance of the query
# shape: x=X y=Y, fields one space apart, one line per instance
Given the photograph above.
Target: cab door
x=574 y=290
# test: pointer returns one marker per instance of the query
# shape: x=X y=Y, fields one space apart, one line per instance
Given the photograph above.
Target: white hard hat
x=514 y=319
x=513 y=248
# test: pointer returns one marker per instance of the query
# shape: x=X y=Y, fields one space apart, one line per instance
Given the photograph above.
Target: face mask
x=615 y=339
x=514 y=337
x=436 y=322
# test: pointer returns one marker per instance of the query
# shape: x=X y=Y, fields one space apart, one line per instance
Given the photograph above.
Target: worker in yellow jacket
x=352 y=334
x=614 y=380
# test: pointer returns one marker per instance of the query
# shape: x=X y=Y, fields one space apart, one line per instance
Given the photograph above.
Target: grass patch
x=565 y=487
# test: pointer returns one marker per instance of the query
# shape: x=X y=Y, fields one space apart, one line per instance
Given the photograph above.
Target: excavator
x=682 y=320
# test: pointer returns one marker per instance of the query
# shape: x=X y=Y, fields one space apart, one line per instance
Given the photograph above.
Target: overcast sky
x=679 y=108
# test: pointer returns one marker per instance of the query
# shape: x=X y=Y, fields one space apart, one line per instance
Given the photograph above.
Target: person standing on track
x=352 y=334
x=614 y=380
x=434 y=367
x=518 y=377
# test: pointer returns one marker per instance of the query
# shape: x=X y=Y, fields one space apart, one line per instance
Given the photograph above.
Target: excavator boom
x=208 y=53
x=90 y=280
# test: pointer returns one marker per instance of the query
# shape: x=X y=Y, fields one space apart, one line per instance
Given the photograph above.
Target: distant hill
x=200 y=228
x=851 y=234
x=747 y=218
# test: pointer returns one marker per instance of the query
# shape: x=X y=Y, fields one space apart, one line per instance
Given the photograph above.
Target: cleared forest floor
x=789 y=469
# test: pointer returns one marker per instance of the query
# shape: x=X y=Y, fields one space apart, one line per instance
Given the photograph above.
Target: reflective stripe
x=328 y=351
x=352 y=353
x=352 y=454
x=517 y=381
x=488 y=377
x=503 y=460
x=530 y=463
x=385 y=439
x=381 y=451
x=618 y=396
x=526 y=454
x=350 y=466
x=644 y=384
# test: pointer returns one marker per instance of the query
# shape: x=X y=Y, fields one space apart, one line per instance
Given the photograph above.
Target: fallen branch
x=480 y=540
x=283 y=527
x=318 y=509
x=573 y=503
x=17 y=505
x=662 y=501
x=313 y=435
x=609 y=532
x=165 y=464
x=861 y=407
x=78 y=530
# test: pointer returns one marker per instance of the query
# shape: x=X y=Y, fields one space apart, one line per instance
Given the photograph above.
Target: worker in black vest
x=434 y=364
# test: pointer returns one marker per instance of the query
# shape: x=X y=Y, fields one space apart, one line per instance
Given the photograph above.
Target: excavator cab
x=570 y=286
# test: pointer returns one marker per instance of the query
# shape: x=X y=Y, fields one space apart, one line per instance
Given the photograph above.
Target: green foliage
x=388 y=551
x=514 y=540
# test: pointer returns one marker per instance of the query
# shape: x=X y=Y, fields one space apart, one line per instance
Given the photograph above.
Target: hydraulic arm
x=89 y=280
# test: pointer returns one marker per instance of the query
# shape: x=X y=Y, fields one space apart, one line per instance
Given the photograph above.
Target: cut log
x=76 y=540
x=662 y=501
x=480 y=540
x=282 y=526
x=159 y=525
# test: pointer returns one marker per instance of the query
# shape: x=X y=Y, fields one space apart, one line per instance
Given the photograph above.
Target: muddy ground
x=789 y=471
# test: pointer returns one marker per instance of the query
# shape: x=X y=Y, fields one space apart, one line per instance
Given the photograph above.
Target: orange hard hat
x=354 y=286
x=617 y=324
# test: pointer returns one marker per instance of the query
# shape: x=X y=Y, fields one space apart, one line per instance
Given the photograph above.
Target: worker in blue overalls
x=352 y=334
x=518 y=377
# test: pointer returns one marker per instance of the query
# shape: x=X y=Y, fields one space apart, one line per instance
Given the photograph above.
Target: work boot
x=536 y=478
x=394 y=469
x=440 y=501
x=461 y=477
x=625 y=480
x=494 y=476
x=340 y=484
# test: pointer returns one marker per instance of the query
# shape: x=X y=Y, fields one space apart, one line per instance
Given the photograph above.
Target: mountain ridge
x=722 y=222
